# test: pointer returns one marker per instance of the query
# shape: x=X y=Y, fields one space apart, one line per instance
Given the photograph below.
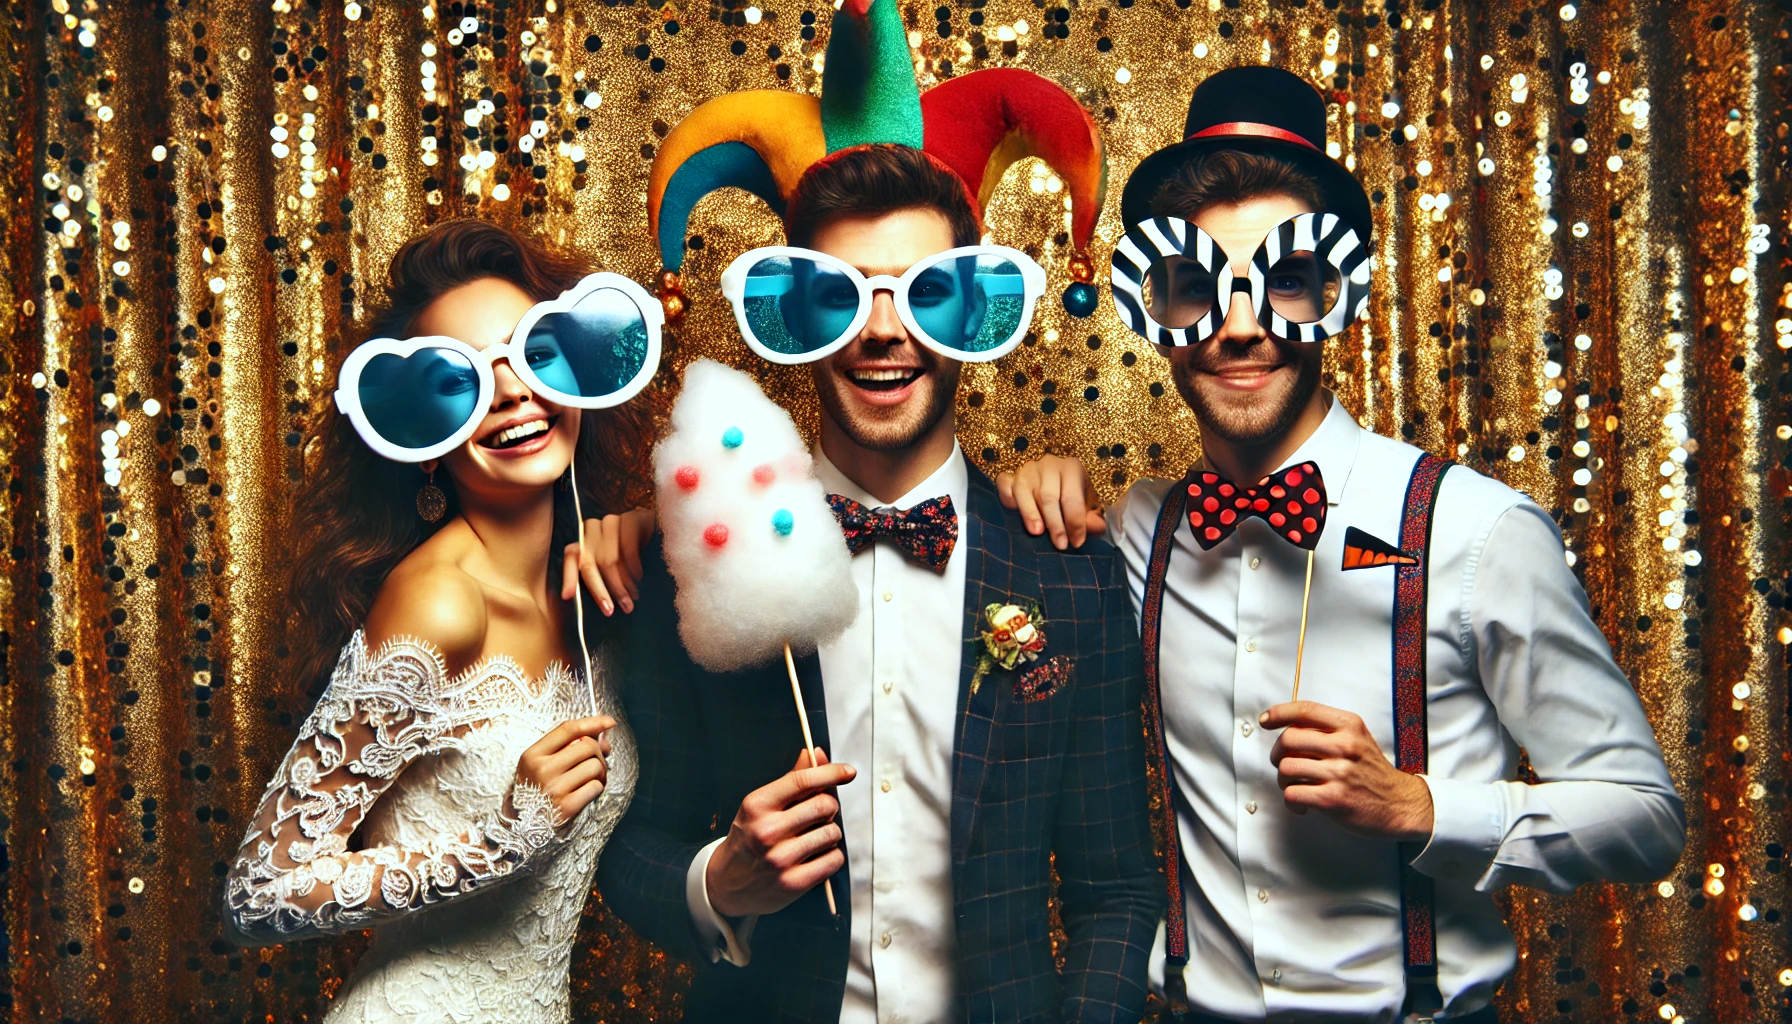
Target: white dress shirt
x=891 y=685
x=1292 y=917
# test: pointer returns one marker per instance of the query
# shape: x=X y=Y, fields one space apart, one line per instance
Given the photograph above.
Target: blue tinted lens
x=971 y=303
x=592 y=350
x=544 y=355
x=795 y=305
x=419 y=400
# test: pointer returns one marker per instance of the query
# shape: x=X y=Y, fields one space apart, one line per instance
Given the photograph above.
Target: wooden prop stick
x=1301 y=647
x=578 y=597
x=802 y=714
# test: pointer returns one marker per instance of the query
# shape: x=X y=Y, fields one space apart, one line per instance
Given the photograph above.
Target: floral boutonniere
x=1014 y=634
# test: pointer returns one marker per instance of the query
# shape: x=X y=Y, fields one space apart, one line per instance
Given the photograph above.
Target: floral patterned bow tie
x=1292 y=502
x=925 y=533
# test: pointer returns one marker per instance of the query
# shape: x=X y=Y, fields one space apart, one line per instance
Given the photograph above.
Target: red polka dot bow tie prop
x=926 y=533
x=1292 y=502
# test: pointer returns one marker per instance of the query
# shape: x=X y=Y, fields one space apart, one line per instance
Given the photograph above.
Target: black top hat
x=1253 y=109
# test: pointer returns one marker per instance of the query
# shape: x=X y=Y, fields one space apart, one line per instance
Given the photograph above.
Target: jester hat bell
x=1253 y=109
x=974 y=125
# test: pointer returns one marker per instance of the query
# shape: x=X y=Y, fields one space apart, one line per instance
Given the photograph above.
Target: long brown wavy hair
x=356 y=514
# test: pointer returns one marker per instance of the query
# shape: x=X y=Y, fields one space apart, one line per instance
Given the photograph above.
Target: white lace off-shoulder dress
x=473 y=898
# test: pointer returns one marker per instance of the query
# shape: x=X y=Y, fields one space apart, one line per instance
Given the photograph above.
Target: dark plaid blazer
x=1044 y=767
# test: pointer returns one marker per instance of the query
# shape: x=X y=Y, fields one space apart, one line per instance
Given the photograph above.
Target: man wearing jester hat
x=1332 y=856
x=981 y=716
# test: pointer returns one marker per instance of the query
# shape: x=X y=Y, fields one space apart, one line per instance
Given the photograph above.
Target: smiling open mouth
x=510 y=437
x=888 y=379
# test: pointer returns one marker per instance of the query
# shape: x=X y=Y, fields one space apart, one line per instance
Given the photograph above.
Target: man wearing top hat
x=1334 y=856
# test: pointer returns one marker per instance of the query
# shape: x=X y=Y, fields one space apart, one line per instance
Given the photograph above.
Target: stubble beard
x=900 y=427
x=1246 y=418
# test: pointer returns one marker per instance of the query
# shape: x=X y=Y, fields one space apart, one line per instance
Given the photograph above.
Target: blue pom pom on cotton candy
x=732 y=437
x=783 y=522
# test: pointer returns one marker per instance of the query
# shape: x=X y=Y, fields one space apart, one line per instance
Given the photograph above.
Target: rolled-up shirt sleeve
x=1605 y=807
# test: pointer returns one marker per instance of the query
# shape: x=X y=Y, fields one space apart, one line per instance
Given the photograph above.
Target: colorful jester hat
x=975 y=125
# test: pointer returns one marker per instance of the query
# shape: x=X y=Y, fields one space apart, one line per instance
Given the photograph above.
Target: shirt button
x=884 y=940
x=885 y=785
x=889 y=595
x=1262 y=895
x=1250 y=807
x=1255 y=562
x=1275 y=976
x=1245 y=727
x=1250 y=646
x=887 y=685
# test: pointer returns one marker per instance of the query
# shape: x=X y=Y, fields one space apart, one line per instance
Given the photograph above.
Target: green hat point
x=868 y=91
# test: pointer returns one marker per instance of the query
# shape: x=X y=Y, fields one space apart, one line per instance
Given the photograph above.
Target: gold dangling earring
x=432 y=504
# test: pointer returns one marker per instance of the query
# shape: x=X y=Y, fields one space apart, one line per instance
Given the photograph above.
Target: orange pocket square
x=1364 y=550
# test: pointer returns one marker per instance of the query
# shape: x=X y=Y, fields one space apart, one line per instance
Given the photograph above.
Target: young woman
x=456 y=762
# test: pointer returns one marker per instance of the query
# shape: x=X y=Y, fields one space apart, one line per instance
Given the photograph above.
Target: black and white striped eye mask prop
x=1307 y=281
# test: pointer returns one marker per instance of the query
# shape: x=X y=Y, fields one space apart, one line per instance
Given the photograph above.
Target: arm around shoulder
x=1112 y=892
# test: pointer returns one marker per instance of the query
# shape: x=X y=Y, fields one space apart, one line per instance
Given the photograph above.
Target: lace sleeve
x=295 y=873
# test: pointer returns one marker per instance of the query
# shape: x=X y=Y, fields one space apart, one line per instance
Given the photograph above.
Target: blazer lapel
x=995 y=572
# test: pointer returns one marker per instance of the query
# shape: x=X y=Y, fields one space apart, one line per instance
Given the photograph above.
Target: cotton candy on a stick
x=760 y=564
x=756 y=552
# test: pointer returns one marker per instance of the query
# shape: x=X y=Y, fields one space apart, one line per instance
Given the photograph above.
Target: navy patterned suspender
x=1411 y=741
x=1411 y=730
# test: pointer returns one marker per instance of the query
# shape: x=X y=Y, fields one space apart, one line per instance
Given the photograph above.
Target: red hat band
x=1268 y=131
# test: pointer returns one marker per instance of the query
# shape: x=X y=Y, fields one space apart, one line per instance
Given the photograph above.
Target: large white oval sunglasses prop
x=1173 y=284
x=417 y=399
x=972 y=303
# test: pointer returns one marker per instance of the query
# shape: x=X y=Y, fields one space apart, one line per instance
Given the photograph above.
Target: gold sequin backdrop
x=1582 y=289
